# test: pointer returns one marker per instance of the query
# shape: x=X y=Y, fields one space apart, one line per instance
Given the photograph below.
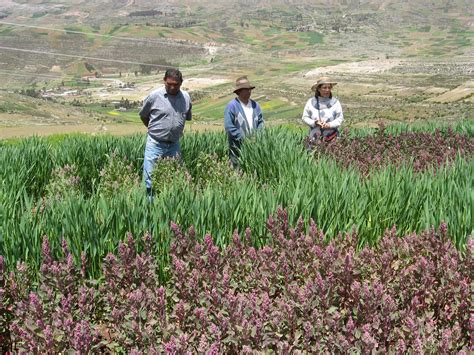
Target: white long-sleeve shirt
x=330 y=111
x=248 y=110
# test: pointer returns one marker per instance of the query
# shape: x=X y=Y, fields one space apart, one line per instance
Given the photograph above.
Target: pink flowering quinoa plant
x=299 y=293
x=421 y=150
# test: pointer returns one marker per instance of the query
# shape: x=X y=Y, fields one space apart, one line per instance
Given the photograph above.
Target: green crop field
x=277 y=171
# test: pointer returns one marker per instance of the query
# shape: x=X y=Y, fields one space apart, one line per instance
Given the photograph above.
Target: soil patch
x=114 y=129
x=363 y=67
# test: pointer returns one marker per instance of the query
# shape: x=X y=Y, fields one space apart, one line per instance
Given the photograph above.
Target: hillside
x=397 y=60
x=170 y=33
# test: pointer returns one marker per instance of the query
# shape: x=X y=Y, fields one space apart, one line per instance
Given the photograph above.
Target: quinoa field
x=360 y=245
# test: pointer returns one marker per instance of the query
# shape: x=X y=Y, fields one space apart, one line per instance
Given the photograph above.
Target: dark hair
x=174 y=74
x=317 y=93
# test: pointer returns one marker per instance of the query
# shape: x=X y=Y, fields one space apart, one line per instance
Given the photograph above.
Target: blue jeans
x=155 y=150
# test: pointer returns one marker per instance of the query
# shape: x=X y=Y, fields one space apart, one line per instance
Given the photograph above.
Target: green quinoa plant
x=214 y=171
x=64 y=181
x=117 y=175
x=167 y=172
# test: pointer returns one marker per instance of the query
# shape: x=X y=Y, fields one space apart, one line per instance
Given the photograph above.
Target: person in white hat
x=323 y=112
x=241 y=117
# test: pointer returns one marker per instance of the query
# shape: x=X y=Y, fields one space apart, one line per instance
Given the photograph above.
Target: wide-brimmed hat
x=242 y=83
x=321 y=81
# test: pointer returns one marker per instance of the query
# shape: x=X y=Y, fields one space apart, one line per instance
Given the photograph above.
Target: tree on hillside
x=90 y=68
x=145 y=69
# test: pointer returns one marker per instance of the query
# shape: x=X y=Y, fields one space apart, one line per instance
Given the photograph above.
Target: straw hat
x=242 y=83
x=321 y=81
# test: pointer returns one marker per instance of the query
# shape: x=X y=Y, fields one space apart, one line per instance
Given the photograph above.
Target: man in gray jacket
x=164 y=113
x=242 y=116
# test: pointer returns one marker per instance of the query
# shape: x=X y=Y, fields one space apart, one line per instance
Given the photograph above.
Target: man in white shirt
x=241 y=116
